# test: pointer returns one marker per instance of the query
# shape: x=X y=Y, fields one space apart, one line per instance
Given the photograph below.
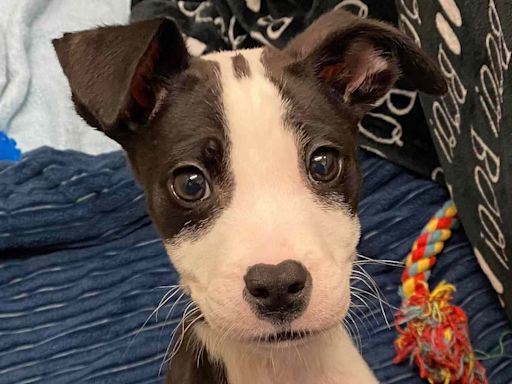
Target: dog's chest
x=335 y=372
x=328 y=361
x=270 y=374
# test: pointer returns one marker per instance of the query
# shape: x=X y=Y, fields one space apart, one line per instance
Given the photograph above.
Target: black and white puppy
x=249 y=164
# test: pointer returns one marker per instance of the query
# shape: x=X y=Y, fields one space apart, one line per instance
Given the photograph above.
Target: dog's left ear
x=115 y=73
x=361 y=59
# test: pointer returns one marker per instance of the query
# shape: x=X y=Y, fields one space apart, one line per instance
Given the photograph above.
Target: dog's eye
x=325 y=164
x=190 y=184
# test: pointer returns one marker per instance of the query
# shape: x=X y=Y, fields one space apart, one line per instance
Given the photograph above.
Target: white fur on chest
x=330 y=358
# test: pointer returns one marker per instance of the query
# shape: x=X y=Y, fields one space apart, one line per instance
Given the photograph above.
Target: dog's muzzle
x=278 y=293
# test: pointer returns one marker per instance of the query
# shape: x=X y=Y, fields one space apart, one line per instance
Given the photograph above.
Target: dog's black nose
x=278 y=292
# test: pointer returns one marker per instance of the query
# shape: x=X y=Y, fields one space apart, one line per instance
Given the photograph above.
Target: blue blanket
x=82 y=269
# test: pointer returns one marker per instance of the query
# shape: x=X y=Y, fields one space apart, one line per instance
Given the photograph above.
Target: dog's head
x=248 y=159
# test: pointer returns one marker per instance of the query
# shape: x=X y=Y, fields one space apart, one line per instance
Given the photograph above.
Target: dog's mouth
x=285 y=336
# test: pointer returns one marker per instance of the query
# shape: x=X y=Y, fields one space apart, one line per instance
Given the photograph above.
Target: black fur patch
x=241 y=67
x=190 y=366
x=189 y=128
x=318 y=120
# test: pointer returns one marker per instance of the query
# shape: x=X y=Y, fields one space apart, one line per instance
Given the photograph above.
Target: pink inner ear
x=357 y=69
x=140 y=90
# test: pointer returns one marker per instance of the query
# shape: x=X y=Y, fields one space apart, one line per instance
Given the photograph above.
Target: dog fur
x=250 y=123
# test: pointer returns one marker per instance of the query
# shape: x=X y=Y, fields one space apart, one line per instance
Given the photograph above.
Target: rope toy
x=432 y=332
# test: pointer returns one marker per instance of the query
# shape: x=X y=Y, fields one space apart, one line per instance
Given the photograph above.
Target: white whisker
x=172 y=291
x=186 y=313
x=365 y=277
x=369 y=260
x=362 y=319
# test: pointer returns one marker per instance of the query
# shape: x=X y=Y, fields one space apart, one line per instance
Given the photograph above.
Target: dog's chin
x=285 y=339
x=280 y=338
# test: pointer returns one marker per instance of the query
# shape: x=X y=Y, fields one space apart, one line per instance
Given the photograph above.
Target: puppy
x=249 y=165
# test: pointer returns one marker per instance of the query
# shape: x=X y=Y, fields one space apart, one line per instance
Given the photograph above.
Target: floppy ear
x=115 y=72
x=361 y=59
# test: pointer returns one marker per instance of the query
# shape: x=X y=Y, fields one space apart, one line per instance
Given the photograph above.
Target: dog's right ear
x=116 y=73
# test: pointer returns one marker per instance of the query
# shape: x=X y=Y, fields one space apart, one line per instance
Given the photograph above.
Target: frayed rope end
x=434 y=334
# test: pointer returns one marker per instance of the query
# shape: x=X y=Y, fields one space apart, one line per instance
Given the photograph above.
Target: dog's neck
x=330 y=358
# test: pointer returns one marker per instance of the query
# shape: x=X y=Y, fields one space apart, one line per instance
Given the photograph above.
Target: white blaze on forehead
x=264 y=155
x=261 y=147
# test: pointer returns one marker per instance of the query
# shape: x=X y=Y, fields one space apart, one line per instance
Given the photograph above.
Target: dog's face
x=265 y=187
x=249 y=159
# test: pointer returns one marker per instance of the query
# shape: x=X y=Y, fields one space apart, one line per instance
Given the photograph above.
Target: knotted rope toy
x=432 y=332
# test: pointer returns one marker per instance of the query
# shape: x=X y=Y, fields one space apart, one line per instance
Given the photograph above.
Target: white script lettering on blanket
x=399 y=102
x=201 y=14
x=360 y=8
x=253 y=5
x=274 y=28
x=410 y=13
x=491 y=100
x=446 y=110
x=488 y=210
x=491 y=78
